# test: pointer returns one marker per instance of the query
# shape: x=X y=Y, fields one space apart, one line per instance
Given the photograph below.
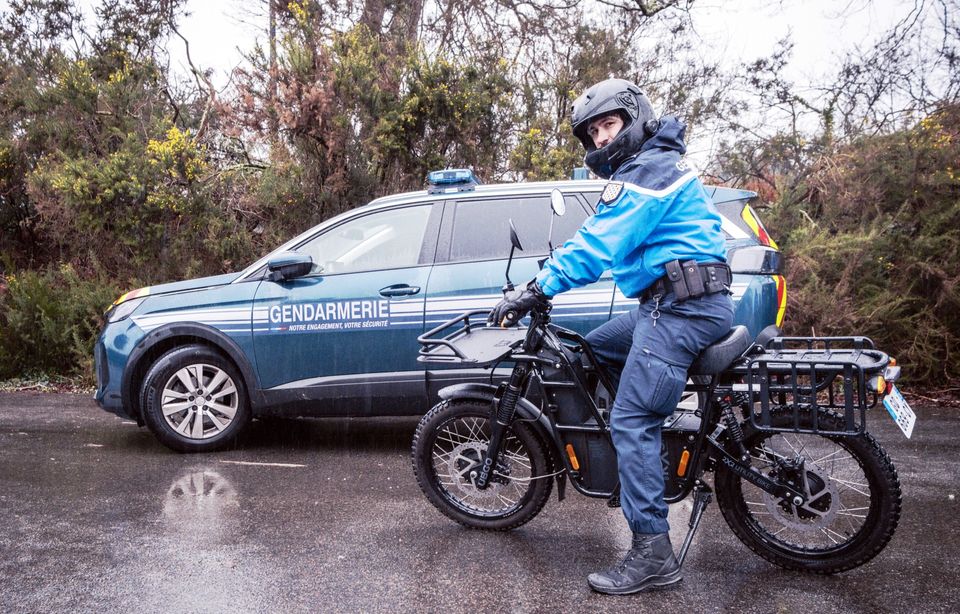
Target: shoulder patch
x=611 y=192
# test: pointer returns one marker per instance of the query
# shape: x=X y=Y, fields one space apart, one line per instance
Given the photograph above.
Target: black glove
x=516 y=304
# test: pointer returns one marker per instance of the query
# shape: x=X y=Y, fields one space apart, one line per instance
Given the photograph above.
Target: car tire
x=194 y=400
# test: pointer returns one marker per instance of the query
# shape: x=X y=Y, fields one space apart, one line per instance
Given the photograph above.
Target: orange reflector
x=573 y=457
x=682 y=465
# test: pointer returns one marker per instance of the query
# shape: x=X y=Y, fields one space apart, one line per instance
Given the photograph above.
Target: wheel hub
x=199 y=401
x=821 y=499
x=464 y=464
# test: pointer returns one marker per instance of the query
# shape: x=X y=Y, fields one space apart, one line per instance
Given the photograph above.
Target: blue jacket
x=654 y=210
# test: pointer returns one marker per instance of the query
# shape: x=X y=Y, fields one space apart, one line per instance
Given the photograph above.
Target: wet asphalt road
x=95 y=515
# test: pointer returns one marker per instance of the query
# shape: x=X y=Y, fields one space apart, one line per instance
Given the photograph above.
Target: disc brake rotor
x=465 y=459
x=821 y=501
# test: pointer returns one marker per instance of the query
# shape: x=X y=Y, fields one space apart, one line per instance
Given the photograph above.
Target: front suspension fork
x=506 y=408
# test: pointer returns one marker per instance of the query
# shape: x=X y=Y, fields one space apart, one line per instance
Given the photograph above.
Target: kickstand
x=701 y=499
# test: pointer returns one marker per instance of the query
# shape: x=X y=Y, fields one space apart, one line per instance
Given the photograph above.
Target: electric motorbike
x=773 y=426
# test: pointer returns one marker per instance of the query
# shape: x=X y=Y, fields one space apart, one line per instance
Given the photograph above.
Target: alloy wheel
x=199 y=401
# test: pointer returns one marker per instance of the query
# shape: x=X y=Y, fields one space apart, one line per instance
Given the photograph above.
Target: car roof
x=719 y=194
x=495 y=189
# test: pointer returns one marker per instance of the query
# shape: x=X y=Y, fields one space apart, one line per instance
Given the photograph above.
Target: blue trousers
x=648 y=366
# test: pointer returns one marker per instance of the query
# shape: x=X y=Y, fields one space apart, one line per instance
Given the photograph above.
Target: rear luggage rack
x=806 y=376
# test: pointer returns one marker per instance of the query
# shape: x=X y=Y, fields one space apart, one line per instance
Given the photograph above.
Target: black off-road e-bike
x=779 y=422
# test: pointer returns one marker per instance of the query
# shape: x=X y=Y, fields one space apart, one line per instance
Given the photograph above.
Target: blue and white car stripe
x=227 y=320
x=408 y=312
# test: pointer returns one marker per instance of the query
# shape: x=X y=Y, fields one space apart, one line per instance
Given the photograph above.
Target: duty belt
x=690 y=279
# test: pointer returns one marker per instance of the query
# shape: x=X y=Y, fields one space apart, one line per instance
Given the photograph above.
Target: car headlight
x=124 y=309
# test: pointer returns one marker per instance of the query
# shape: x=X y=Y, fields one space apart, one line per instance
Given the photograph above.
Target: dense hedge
x=874 y=248
x=49 y=320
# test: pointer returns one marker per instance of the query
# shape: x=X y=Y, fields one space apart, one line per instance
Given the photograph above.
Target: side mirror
x=288 y=265
x=557 y=203
x=559 y=207
x=514 y=245
x=514 y=238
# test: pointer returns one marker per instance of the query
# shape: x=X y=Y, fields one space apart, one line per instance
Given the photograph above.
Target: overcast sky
x=733 y=30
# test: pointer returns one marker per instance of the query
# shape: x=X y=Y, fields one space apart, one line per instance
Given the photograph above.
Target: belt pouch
x=691 y=274
x=675 y=275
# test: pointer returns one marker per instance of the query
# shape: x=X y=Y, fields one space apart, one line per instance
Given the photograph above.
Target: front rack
x=796 y=379
x=469 y=342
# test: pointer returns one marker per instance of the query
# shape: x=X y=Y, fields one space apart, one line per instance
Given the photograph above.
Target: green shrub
x=49 y=321
x=875 y=247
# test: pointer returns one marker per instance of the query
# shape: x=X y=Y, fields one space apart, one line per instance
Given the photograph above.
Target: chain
x=655 y=314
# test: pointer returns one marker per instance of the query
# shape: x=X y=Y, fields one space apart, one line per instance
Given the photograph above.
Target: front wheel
x=852 y=498
x=449 y=445
x=193 y=400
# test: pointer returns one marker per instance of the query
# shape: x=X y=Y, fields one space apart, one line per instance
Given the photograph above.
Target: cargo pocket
x=670 y=381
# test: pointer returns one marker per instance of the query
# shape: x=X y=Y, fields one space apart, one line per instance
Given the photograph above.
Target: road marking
x=261 y=464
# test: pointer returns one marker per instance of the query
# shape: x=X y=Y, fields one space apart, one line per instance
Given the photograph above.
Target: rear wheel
x=449 y=445
x=193 y=400
x=851 y=490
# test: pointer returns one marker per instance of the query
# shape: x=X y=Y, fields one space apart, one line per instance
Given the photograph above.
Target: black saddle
x=718 y=356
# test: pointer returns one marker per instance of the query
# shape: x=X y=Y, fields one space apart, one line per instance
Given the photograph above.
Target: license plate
x=900 y=411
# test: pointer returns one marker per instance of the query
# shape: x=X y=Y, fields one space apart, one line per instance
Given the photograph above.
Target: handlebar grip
x=509 y=318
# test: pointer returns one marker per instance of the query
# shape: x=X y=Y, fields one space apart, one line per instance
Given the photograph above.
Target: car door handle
x=399 y=290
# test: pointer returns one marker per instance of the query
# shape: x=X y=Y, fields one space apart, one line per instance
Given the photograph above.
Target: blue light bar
x=460 y=179
x=451 y=175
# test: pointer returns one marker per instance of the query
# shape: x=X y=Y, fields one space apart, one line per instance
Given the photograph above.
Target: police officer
x=659 y=234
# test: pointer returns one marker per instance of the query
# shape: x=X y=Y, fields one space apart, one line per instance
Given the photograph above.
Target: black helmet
x=639 y=123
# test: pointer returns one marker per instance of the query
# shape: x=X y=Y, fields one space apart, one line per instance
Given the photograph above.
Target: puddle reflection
x=201 y=500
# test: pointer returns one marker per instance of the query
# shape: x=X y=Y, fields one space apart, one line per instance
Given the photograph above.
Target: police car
x=326 y=325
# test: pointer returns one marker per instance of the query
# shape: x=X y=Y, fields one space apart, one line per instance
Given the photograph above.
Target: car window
x=591 y=198
x=380 y=240
x=481 y=226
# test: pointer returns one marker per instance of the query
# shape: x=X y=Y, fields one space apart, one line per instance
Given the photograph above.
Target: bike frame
x=707 y=449
x=780 y=376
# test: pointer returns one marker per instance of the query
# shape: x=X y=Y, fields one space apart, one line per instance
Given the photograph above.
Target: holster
x=690 y=279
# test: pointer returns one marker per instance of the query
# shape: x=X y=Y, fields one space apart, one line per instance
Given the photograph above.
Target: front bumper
x=110 y=355
x=107 y=398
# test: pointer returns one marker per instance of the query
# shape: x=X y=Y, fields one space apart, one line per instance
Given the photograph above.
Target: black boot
x=650 y=563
